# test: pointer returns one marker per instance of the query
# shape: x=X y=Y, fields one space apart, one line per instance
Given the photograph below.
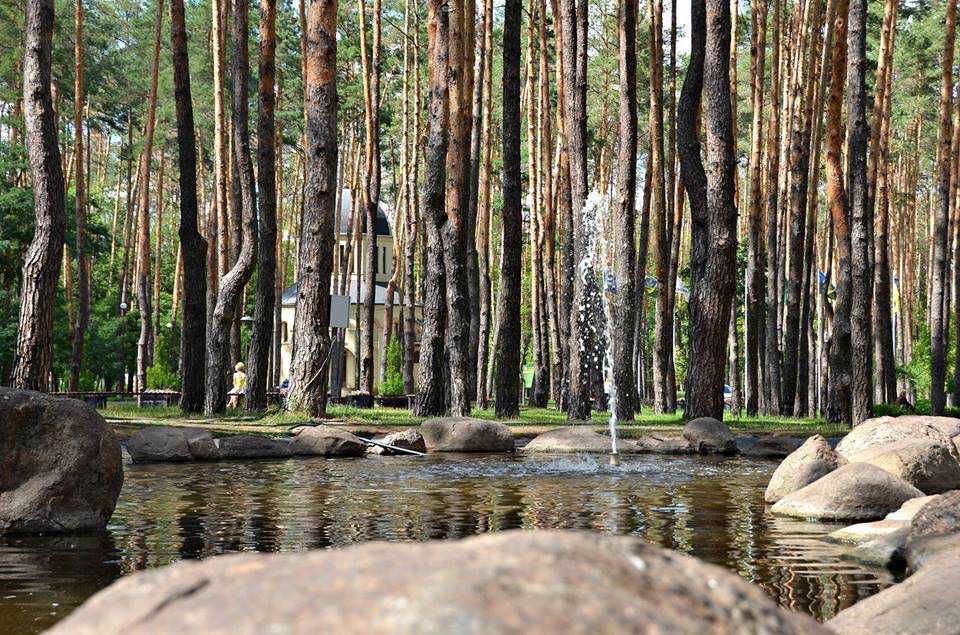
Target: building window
x=283 y=332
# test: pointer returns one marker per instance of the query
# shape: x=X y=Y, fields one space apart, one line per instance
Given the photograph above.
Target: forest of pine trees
x=752 y=206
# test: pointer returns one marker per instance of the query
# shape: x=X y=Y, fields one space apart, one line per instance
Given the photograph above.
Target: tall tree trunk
x=548 y=222
x=772 y=383
x=230 y=293
x=755 y=278
x=311 y=329
x=483 y=213
x=41 y=267
x=886 y=382
x=838 y=407
x=640 y=288
x=663 y=323
x=861 y=227
x=217 y=235
x=371 y=81
x=193 y=246
x=431 y=396
x=507 y=351
x=940 y=286
x=573 y=18
x=473 y=200
x=408 y=316
x=80 y=194
x=714 y=225
x=460 y=89
x=803 y=93
x=258 y=355
x=145 y=342
x=624 y=300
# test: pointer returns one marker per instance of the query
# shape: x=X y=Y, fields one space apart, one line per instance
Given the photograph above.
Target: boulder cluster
x=700 y=436
x=898 y=480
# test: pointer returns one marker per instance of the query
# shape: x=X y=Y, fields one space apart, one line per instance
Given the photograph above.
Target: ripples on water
x=710 y=508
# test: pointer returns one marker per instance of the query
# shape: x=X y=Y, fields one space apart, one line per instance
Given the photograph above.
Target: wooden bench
x=94 y=399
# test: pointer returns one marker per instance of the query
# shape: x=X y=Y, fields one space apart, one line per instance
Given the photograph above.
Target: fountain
x=596 y=222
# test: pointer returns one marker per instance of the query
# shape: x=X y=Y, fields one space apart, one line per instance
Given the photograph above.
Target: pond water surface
x=711 y=508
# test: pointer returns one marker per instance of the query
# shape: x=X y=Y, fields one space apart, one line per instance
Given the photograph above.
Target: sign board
x=339 y=311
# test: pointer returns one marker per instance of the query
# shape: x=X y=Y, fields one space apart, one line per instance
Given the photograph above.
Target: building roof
x=383 y=225
x=289 y=297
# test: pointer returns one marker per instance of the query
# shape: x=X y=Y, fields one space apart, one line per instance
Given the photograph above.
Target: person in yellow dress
x=239 y=385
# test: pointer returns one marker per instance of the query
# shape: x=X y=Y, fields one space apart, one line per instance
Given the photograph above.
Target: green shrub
x=392 y=384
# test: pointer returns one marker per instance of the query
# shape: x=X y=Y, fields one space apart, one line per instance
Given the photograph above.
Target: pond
x=711 y=508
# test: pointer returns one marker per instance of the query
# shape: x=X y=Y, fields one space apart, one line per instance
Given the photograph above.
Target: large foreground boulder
x=249 y=446
x=709 y=436
x=810 y=462
x=60 y=465
x=326 y=441
x=575 y=439
x=409 y=439
x=926 y=602
x=856 y=491
x=927 y=465
x=463 y=434
x=511 y=582
x=883 y=430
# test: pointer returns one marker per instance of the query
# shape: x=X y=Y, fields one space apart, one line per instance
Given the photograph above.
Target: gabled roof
x=383 y=224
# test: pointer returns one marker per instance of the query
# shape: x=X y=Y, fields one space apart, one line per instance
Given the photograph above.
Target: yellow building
x=356 y=292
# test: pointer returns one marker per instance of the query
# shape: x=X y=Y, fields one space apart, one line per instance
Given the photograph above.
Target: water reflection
x=711 y=508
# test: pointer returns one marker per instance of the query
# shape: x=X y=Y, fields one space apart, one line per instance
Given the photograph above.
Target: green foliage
x=392 y=384
x=164 y=374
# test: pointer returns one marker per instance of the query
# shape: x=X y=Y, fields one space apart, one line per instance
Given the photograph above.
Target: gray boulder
x=159 y=443
x=60 y=465
x=939 y=517
x=409 y=439
x=856 y=491
x=927 y=465
x=202 y=445
x=663 y=444
x=768 y=447
x=510 y=582
x=810 y=462
x=326 y=441
x=248 y=446
x=883 y=430
x=463 y=434
x=926 y=602
x=575 y=439
x=881 y=542
x=709 y=436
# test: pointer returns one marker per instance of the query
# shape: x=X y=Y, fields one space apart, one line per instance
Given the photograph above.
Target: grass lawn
x=275 y=420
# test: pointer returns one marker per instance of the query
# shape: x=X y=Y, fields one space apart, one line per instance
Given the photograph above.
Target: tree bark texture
x=432 y=391
x=41 y=266
x=507 y=352
x=311 y=329
x=230 y=293
x=259 y=354
x=939 y=281
x=193 y=246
